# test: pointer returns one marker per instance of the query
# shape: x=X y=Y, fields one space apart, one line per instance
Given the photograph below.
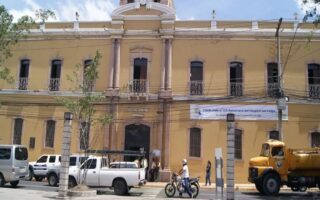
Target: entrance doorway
x=137 y=137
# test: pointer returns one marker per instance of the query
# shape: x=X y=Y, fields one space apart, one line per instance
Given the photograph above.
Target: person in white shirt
x=184 y=172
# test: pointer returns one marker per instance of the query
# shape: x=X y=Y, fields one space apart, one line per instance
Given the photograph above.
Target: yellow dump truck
x=278 y=165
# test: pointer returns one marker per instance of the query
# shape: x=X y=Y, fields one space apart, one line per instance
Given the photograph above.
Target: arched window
x=195 y=142
x=55 y=75
x=196 y=78
x=50 y=132
x=235 y=79
x=274 y=135
x=315 y=139
x=273 y=84
x=17 y=132
x=314 y=80
x=238 y=144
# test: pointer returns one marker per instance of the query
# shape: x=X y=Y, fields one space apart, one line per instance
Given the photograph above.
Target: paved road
x=44 y=191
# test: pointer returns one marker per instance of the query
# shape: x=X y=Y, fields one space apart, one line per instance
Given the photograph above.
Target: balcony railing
x=138 y=86
x=23 y=83
x=54 y=84
x=314 y=90
x=273 y=89
x=236 y=89
x=196 y=87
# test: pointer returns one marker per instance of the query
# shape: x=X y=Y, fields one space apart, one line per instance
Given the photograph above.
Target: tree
x=10 y=34
x=313 y=12
x=83 y=107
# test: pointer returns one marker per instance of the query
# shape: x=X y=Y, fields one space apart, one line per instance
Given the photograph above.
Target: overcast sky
x=100 y=10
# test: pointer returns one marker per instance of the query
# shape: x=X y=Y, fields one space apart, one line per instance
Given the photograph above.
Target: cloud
x=90 y=10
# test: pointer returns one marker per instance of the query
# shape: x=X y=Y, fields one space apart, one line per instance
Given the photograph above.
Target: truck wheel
x=2 y=181
x=302 y=188
x=295 y=188
x=271 y=184
x=53 y=180
x=259 y=187
x=120 y=187
x=38 y=178
x=72 y=182
x=14 y=184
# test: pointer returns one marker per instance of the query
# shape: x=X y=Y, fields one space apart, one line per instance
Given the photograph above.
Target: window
x=24 y=74
x=55 y=75
x=42 y=159
x=17 y=134
x=50 y=130
x=21 y=153
x=314 y=80
x=87 y=83
x=277 y=151
x=195 y=142
x=315 y=139
x=52 y=159
x=157 y=1
x=84 y=135
x=5 y=153
x=238 y=144
x=236 y=79
x=273 y=85
x=274 y=135
x=196 y=78
x=90 y=164
x=32 y=142
x=139 y=83
x=130 y=1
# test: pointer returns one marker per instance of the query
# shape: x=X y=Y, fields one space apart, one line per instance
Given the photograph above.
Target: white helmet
x=184 y=161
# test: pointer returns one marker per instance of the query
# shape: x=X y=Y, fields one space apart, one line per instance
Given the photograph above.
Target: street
x=147 y=192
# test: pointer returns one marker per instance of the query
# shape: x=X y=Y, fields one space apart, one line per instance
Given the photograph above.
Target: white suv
x=48 y=166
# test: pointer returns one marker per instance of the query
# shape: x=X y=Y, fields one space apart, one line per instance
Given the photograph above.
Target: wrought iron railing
x=196 y=87
x=273 y=89
x=23 y=83
x=54 y=84
x=314 y=90
x=236 y=89
x=138 y=86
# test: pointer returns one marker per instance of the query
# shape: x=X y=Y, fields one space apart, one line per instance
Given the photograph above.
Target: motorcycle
x=176 y=183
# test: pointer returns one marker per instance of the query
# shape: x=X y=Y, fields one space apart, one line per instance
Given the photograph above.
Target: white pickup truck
x=100 y=175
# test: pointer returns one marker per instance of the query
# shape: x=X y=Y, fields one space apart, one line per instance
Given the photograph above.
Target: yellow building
x=168 y=85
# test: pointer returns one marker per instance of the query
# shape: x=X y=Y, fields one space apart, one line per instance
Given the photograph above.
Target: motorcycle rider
x=184 y=173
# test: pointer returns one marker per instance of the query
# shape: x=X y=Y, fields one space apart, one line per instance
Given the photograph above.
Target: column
x=163 y=65
x=112 y=64
x=169 y=64
x=117 y=65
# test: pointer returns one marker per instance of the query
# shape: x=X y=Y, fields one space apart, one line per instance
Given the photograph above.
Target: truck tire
x=52 y=179
x=120 y=187
x=14 y=184
x=259 y=186
x=72 y=182
x=271 y=184
x=2 y=181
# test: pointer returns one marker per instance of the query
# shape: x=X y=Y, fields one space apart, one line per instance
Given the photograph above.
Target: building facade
x=168 y=85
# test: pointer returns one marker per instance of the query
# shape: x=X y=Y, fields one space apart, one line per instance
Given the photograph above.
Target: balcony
x=54 y=84
x=273 y=89
x=196 y=87
x=23 y=83
x=236 y=89
x=138 y=87
x=314 y=91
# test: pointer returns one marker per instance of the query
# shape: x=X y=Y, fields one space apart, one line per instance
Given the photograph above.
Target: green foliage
x=10 y=34
x=44 y=14
x=312 y=14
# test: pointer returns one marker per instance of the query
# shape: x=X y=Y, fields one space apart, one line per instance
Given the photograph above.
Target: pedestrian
x=153 y=170
x=208 y=173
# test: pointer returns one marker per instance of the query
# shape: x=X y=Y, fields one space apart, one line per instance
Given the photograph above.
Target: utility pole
x=230 y=155
x=280 y=91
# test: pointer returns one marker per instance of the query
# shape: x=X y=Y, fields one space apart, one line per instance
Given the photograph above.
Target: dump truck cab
x=278 y=165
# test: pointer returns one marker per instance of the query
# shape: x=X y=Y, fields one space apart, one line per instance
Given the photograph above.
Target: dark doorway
x=136 y=137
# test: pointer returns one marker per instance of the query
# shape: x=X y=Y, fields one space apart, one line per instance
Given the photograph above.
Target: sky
x=100 y=10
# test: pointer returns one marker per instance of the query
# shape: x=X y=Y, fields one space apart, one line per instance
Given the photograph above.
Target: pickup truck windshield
x=265 y=151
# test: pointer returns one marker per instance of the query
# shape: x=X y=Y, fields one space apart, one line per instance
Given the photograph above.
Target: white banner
x=242 y=112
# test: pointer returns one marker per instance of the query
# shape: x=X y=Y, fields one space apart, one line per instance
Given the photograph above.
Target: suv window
x=43 y=159
x=5 y=153
x=73 y=161
x=52 y=159
x=21 y=153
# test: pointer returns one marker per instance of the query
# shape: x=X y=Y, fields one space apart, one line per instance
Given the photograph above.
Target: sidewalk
x=202 y=185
